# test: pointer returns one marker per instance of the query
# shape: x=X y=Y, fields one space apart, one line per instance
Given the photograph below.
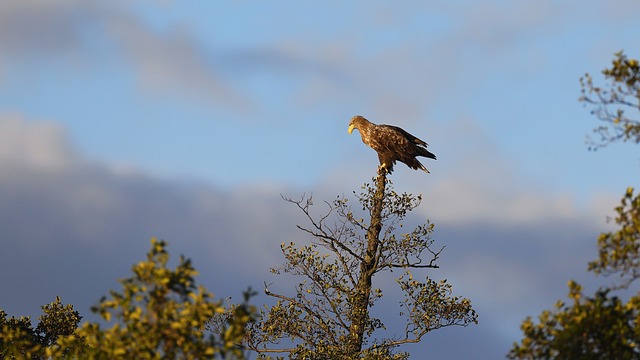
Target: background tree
x=19 y=339
x=603 y=326
x=598 y=327
x=619 y=251
x=159 y=314
x=329 y=315
x=616 y=104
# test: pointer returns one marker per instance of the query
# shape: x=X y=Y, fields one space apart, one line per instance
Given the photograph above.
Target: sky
x=124 y=120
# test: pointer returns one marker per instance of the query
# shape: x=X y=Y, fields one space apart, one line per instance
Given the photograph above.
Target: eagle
x=391 y=143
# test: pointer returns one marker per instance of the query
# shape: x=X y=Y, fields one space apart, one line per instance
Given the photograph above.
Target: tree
x=159 y=314
x=619 y=251
x=617 y=104
x=19 y=339
x=603 y=326
x=599 y=327
x=329 y=317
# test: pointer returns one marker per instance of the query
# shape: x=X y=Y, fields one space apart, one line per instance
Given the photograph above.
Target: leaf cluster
x=617 y=104
x=619 y=251
x=160 y=313
x=599 y=327
x=19 y=339
x=430 y=306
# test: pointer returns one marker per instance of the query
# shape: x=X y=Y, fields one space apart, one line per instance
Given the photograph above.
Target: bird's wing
x=408 y=136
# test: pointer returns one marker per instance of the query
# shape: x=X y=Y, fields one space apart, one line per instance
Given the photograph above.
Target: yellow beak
x=351 y=127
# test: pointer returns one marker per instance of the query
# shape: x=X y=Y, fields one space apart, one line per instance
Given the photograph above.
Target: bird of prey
x=391 y=143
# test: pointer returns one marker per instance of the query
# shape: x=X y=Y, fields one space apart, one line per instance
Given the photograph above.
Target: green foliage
x=617 y=104
x=329 y=316
x=619 y=251
x=430 y=306
x=18 y=339
x=58 y=320
x=599 y=327
x=160 y=313
x=603 y=326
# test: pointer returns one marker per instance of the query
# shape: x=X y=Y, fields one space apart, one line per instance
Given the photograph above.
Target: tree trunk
x=360 y=302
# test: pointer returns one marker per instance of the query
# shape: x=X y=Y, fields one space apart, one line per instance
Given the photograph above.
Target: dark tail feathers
x=426 y=153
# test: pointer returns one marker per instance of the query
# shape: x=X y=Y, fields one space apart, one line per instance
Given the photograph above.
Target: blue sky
x=186 y=120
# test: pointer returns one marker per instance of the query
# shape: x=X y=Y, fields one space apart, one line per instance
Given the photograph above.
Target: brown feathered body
x=392 y=144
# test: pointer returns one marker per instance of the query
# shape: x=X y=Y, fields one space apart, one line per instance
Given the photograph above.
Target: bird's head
x=355 y=121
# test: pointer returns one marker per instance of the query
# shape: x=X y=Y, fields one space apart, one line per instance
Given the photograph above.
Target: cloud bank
x=85 y=35
x=71 y=226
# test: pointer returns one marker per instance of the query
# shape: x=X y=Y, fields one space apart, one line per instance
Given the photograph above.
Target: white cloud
x=30 y=28
x=35 y=145
x=172 y=62
x=176 y=61
x=454 y=200
x=100 y=33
